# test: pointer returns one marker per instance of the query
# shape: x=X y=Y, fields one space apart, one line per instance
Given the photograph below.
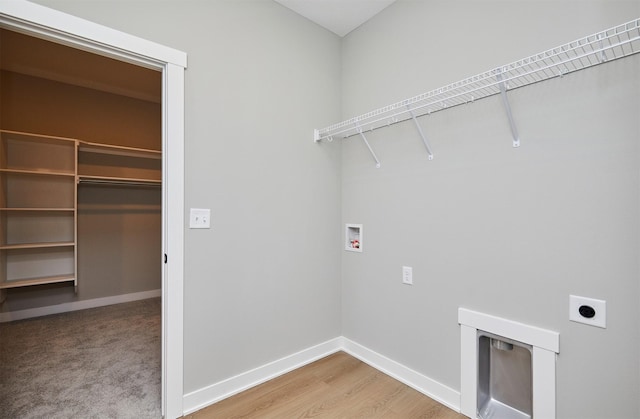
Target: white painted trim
x=521 y=332
x=544 y=383
x=77 y=31
x=204 y=397
x=468 y=371
x=37 y=20
x=173 y=242
x=209 y=395
x=425 y=385
x=77 y=305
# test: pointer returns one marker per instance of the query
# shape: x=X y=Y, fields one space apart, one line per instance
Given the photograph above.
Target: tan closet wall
x=119 y=228
x=33 y=104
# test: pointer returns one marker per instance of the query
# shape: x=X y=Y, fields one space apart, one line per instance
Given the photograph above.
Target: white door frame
x=43 y=22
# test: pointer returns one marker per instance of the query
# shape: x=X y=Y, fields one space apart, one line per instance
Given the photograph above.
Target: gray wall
x=264 y=281
x=510 y=232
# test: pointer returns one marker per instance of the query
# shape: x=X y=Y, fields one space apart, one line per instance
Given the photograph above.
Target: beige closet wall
x=119 y=228
x=43 y=106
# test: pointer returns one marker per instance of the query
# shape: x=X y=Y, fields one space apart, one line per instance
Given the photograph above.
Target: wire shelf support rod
x=507 y=108
x=424 y=138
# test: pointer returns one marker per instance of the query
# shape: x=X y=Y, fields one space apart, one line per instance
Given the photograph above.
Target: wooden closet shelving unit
x=39 y=178
x=112 y=164
x=37 y=210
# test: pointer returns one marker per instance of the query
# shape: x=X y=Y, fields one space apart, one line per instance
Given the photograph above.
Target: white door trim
x=43 y=22
x=173 y=242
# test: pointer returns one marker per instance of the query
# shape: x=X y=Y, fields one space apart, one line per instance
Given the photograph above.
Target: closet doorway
x=41 y=24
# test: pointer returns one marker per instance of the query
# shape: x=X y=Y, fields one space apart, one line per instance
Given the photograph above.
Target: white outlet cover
x=199 y=218
x=407 y=275
x=600 y=307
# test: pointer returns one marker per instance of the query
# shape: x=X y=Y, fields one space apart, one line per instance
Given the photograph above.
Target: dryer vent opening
x=504 y=378
x=507 y=368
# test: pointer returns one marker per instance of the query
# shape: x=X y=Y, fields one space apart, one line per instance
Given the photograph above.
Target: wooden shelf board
x=119 y=150
x=37 y=281
x=114 y=179
x=36 y=245
x=38 y=209
x=37 y=172
x=37 y=136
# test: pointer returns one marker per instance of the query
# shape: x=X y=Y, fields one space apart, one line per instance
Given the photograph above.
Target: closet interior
x=80 y=175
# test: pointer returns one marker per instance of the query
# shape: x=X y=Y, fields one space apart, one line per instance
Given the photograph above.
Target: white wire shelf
x=605 y=46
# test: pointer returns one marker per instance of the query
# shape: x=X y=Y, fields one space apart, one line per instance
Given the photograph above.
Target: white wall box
x=544 y=345
x=353 y=237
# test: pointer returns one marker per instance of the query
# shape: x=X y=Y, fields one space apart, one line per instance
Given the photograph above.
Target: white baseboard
x=209 y=395
x=77 y=305
x=425 y=385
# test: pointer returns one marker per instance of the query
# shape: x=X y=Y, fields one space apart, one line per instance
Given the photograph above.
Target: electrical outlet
x=199 y=218
x=588 y=311
x=407 y=275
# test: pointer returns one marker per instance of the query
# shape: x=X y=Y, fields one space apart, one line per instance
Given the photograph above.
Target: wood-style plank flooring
x=338 y=386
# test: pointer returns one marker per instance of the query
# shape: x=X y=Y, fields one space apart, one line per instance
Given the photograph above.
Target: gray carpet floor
x=97 y=363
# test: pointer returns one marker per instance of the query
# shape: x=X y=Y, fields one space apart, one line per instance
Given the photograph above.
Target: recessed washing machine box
x=505 y=388
x=353 y=237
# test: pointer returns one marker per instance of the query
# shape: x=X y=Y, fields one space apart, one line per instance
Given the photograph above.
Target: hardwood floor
x=338 y=386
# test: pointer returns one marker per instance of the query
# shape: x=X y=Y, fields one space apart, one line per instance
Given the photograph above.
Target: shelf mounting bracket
x=507 y=107
x=424 y=138
x=368 y=146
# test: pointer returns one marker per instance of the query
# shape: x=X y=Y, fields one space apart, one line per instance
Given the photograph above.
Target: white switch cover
x=594 y=312
x=199 y=218
x=407 y=275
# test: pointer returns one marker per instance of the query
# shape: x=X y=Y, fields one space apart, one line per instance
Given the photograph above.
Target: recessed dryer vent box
x=353 y=237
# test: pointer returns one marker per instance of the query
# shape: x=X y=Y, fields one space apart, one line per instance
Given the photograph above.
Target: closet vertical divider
x=76 y=148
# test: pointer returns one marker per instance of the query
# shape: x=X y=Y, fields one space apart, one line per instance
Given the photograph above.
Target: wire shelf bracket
x=424 y=139
x=373 y=154
x=602 y=47
x=507 y=108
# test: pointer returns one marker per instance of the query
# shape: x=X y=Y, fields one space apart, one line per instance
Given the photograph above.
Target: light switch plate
x=407 y=275
x=200 y=218
x=599 y=312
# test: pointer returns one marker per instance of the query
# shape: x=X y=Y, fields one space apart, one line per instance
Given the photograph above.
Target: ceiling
x=338 y=16
x=27 y=55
